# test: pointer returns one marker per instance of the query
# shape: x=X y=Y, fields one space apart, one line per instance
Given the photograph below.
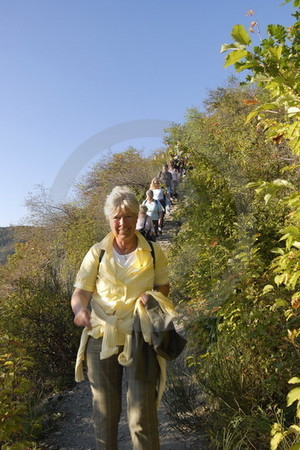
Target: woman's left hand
x=143 y=299
x=164 y=289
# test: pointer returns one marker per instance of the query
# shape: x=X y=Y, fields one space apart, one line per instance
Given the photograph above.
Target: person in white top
x=162 y=196
x=155 y=210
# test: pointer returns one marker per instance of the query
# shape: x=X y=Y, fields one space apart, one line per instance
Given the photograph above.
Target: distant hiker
x=125 y=281
x=155 y=210
x=161 y=195
x=165 y=178
x=175 y=179
x=145 y=224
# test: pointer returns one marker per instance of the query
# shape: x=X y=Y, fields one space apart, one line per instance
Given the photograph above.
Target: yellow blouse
x=115 y=292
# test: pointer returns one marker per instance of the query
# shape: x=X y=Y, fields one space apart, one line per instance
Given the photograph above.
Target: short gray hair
x=120 y=198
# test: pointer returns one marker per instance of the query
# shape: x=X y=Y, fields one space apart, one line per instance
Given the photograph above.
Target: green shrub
x=17 y=424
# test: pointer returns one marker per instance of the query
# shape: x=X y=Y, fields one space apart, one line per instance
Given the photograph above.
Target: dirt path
x=73 y=411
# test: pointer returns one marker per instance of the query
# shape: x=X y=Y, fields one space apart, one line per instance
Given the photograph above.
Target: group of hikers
x=159 y=198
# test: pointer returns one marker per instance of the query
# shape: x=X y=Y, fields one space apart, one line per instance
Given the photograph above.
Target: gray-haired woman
x=117 y=288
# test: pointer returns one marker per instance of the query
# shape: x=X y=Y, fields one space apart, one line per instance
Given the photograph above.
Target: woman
x=154 y=210
x=165 y=178
x=175 y=179
x=145 y=224
x=161 y=195
x=115 y=287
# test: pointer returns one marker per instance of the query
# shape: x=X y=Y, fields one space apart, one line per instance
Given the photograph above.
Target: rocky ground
x=72 y=410
x=74 y=425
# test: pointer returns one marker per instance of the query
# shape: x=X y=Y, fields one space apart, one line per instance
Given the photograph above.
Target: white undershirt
x=125 y=260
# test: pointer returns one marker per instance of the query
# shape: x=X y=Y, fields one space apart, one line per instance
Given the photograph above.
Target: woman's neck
x=124 y=247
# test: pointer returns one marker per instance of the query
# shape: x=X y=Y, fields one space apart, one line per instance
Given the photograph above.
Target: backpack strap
x=152 y=253
x=101 y=255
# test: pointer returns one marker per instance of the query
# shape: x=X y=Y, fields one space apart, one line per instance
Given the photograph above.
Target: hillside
x=9 y=236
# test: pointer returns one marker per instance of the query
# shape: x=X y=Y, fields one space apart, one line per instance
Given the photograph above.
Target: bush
x=18 y=424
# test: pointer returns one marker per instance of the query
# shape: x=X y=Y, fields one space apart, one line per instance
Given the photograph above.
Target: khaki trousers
x=105 y=378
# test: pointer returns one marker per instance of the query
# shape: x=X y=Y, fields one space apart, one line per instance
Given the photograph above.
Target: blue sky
x=71 y=69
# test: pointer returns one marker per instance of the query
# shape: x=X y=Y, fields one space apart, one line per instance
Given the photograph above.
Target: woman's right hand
x=82 y=319
x=79 y=302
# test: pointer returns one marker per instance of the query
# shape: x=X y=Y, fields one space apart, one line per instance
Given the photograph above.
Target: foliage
x=274 y=65
x=38 y=315
x=243 y=333
x=9 y=236
x=17 y=422
x=291 y=436
x=114 y=171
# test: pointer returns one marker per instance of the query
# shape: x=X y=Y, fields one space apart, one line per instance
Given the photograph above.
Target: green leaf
x=277 y=436
x=251 y=115
x=294 y=380
x=233 y=46
x=253 y=184
x=292 y=111
x=240 y=34
x=281 y=302
x=259 y=109
x=247 y=65
x=293 y=396
x=267 y=198
x=278 y=251
x=294 y=279
x=294 y=429
x=277 y=31
x=281 y=182
x=275 y=53
x=268 y=288
x=293 y=230
x=235 y=56
x=279 y=279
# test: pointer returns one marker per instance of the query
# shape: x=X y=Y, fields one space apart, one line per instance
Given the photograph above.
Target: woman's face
x=123 y=224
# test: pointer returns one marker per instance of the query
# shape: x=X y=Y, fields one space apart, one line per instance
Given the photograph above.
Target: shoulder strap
x=152 y=253
x=101 y=255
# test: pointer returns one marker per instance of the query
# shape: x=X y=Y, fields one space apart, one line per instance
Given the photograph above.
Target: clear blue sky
x=73 y=68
